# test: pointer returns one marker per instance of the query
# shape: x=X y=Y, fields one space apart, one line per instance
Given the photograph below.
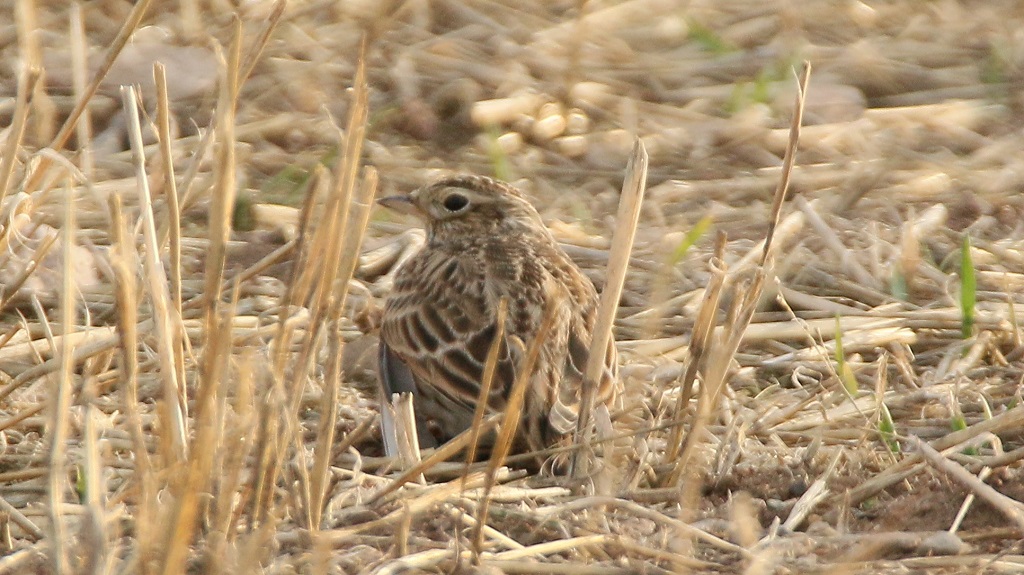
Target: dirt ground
x=191 y=417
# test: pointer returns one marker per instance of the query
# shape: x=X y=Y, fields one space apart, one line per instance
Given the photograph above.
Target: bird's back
x=440 y=321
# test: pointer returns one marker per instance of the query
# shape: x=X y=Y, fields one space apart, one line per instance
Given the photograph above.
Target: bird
x=485 y=242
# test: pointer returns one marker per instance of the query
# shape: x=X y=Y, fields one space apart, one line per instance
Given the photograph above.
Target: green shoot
x=760 y=90
x=995 y=66
x=242 y=219
x=887 y=429
x=499 y=159
x=286 y=185
x=898 y=284
x=696 y=232
x=968 y=289
x=958 y=423
x=708 y=39
x=843 y=369
x=80 y=485
x=737 y=98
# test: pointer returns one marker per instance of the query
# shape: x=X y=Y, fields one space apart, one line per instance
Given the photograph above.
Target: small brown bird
x=486 y=242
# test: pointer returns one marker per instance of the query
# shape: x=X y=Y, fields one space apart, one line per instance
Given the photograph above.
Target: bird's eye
x=455 y=202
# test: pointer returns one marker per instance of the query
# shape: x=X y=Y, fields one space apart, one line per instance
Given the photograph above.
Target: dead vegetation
x=189 y=266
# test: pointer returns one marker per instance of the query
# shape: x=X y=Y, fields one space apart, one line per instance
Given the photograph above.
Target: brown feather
x=484 y=242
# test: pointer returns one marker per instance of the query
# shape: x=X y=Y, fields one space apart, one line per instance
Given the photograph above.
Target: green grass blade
x=898 y=285
x=842 y=368
x=958 y=423
x=887 y=429
x=499 y=159
x=968 y=288
x=692 y=237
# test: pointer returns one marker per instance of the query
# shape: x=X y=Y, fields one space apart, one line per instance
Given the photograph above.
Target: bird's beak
x=401 y=203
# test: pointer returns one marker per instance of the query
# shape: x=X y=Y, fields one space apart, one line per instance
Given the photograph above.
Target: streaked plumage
x=484 y=242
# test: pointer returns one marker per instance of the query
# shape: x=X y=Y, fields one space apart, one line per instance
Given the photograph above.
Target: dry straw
x=714 y=355
x=130 y=25
x=633 y=187
x=512 y=416
x=175 y=414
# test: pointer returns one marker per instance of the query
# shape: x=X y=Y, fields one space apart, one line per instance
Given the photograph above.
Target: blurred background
x=909 y=97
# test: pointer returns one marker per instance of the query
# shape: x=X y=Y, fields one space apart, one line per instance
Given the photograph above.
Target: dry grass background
x=215 y=413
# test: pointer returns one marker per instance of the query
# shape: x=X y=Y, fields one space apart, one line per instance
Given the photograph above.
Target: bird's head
x=461 y=205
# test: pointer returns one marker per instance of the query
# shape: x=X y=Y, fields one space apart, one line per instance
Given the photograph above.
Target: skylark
x=486 y=242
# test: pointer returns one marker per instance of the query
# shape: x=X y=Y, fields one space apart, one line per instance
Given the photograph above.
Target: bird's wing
x=565 y=406
x=439 y=327
x=395 y=377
